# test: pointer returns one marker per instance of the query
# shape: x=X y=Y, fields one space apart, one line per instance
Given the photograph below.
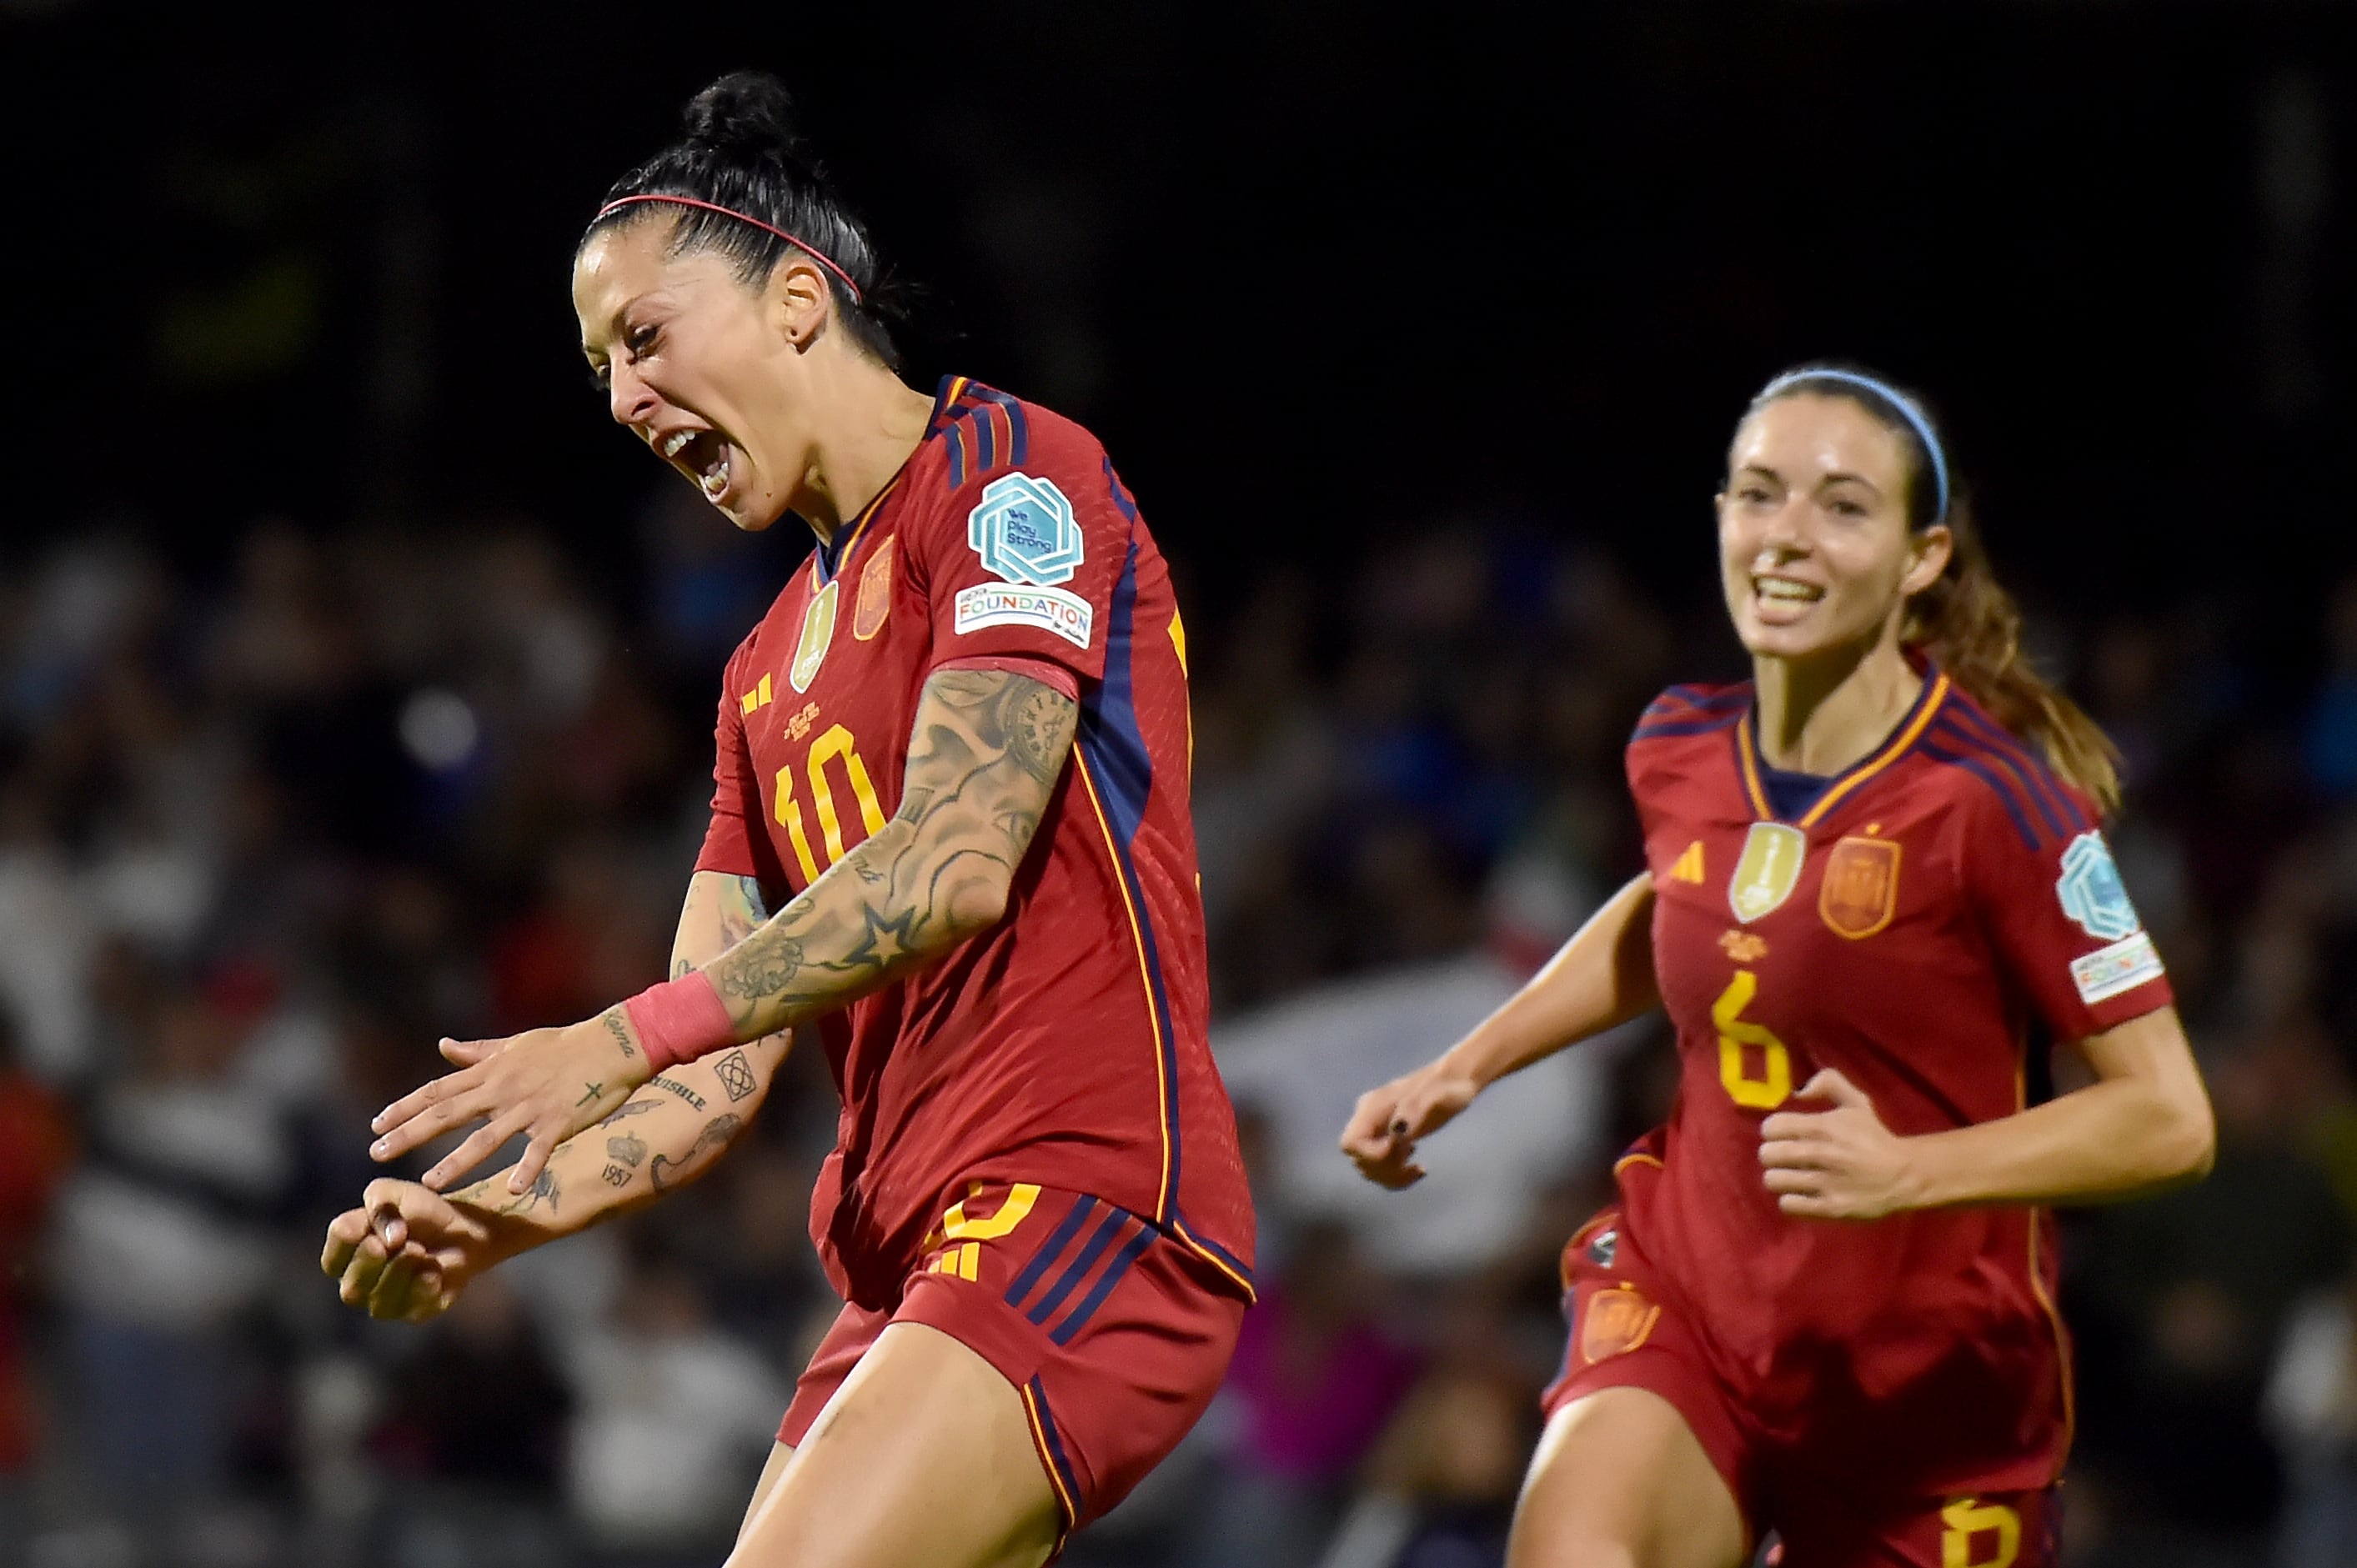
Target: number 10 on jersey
x=836 y=743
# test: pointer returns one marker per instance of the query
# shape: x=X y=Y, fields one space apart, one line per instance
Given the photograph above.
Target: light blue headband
x=1913 y=415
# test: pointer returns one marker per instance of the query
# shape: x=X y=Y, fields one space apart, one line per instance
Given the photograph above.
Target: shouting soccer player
x=950 y=841
x=1823 y=1303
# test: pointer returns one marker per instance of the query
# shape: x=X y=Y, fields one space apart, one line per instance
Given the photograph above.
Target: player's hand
x=406 y=1252
x=1839 y=1164
x=547 y=1083
x=1386 y=1124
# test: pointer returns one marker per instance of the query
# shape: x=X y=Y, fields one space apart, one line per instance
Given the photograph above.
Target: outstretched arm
x=406 y=1253
x=1602 y=977
x=986 y=750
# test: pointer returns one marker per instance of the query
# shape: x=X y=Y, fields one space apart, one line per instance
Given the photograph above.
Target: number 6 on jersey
x=1775 y=1086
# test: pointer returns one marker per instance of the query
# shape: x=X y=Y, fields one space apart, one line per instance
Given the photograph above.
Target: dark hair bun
x=745 y=112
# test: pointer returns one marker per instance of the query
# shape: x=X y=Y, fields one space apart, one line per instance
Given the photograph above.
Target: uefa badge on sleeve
x=1025 y=532
x=2092 y=892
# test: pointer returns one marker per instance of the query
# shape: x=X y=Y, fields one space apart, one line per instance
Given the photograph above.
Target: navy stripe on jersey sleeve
x=1690 y=710
x=2002 y=787
x=1018 y=425
x=2008 y=773
x=985 y=430
x=2031 y=765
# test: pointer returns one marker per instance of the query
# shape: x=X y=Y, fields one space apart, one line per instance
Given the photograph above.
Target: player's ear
x=1928 y=550
x=797 y=300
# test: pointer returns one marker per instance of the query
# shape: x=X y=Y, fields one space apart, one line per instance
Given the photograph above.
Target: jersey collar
x=828 y=560
x=1911 y=729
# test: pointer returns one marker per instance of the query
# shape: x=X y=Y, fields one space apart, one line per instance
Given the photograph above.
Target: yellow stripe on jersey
x=1145 y=975
x=1888 y=754
x=1064 y=1503
x=1747 y=750
x=1208 y=1256
x=2045 y=1298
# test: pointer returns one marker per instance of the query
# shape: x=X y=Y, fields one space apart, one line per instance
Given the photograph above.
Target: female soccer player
x=1823 y=1304
x=953 y=760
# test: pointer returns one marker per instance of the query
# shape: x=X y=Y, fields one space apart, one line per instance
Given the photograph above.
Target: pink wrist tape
x=680 y=1020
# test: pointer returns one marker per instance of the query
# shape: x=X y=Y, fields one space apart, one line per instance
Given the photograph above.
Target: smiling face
x=1816 y=550
x=710 y=373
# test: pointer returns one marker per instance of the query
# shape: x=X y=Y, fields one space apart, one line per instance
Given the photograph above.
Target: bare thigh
x=923 y=1455
x=773 y=1469
x=1619 y=1482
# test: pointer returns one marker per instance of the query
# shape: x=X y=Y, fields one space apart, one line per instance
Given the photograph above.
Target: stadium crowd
x=271 y=826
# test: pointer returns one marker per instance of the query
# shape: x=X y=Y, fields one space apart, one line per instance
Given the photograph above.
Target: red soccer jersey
x=1065 y=1046
x=1935 y=911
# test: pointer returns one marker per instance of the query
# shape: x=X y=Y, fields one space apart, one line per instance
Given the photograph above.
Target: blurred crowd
x=272 y=822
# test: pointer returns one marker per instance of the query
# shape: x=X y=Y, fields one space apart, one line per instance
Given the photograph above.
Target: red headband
x=805 y=247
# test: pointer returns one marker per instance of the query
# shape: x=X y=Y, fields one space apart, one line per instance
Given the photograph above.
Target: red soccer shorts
x=1115 y=1334
x=1622 y=1336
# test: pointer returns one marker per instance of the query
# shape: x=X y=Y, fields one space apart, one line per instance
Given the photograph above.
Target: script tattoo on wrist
x=674 y=1085
x=717 y=1130
x=989 y=749
x=616 y=1027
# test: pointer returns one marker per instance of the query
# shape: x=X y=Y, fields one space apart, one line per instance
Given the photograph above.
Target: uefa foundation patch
x=2114 y=971
x=1068 y=616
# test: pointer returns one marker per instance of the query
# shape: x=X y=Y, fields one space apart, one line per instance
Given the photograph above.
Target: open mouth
x=1782 y=601
x=702 y=456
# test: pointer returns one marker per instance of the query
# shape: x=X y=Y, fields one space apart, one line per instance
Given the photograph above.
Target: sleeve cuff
x=1047 y=671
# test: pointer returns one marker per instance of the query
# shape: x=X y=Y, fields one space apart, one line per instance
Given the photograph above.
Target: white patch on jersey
x=1068 y=616
x=2108 y=972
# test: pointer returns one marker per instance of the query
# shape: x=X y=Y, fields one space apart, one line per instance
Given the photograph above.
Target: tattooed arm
x=406 y=1252
x=984 y=756
x=986 y=750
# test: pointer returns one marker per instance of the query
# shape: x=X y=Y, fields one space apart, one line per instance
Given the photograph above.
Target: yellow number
x=964 y=1260
x=836 y=742
x=1764 y=1093
x=1966 y=1519
x=788 y=812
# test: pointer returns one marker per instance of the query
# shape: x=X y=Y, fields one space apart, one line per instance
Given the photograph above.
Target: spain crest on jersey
x=1618 y=1321
x=1860 y=891
x=1765 y=875
x=875 y=593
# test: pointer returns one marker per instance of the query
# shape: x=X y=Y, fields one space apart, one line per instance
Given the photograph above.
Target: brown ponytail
x=1971 y=628
x=1966 y=621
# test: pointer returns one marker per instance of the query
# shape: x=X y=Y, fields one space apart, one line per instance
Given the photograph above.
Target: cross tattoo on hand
x=594 y=1090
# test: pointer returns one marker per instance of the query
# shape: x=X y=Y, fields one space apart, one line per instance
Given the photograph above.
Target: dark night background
x=356 y=680
x=1312 y=271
